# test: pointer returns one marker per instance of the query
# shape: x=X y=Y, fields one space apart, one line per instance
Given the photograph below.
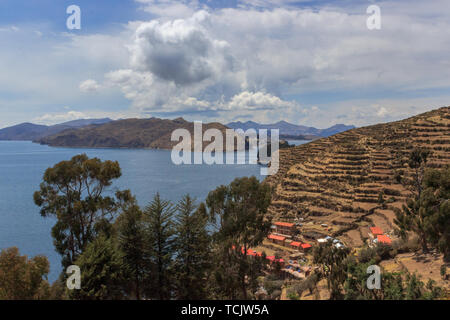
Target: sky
x=308 y=62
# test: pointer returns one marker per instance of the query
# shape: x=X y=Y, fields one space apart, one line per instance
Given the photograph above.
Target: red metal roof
x=376 y=231
x=384 y=239
x=284 y=224
x=275 y=237
x=271 y=258
x=295 y=244
x=305 y=245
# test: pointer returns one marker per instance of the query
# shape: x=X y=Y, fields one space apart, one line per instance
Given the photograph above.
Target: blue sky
x=308 y=62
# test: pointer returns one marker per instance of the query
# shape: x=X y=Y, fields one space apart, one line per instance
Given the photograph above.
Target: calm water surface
x=145 y=172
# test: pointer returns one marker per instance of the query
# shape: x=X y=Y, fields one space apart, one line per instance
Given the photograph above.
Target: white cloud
x=60 y=117
x=247 y=62
x=258 y=101
x=180 y=50
x=382 y=112
x=9 y=28
x=230 y=58
x=89 y=86
x=170 y=8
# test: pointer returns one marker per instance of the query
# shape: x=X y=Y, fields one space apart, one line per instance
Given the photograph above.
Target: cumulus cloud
x=259 y=55
x=89 y=86
x=258 y=101
x=180 y=50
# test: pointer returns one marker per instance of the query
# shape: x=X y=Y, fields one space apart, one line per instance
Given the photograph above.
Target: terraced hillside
x=335 y=183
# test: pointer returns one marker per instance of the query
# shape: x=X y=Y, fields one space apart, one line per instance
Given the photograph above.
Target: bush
x=272 y=286
x=292 y=295
x=444 y=271
x=385 y=252
x=275 y=295
x=398 y=176
x=367 y=255
x=405 y=246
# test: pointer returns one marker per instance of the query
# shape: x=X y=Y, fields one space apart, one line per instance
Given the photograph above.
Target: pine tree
x=193 y=250
x=102 y=277
x=132 y=244
x=158 y=216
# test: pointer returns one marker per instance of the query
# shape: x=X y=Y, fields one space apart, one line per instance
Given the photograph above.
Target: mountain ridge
x=292 y=130
x=152 y=133
x=28 y=131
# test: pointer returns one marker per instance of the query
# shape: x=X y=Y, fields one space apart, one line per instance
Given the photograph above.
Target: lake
x=144 y=172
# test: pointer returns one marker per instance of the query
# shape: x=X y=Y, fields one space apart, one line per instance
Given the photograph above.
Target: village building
x=374 y=232
x=284 y=228
x=305 y=247
x=382 y=238
x=277 y=239
x=295 y=245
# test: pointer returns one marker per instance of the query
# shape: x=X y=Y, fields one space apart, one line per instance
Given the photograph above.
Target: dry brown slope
x=153 y=133
x=337 y=180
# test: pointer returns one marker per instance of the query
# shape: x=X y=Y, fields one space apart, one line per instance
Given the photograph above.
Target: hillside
x=29 y=131
x=153 y=133
x=334 y=183
x=289 y=130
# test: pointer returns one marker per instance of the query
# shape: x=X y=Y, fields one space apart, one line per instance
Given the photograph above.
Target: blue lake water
x=144 y=172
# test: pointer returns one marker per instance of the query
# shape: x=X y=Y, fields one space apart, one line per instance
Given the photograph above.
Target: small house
x=382 y=238
x=277 y=239
x=374 y=232
x=284 y=228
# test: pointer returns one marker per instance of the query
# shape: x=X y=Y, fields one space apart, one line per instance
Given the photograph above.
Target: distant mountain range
x=141 y=133
x=290 y=131
x=30 y=131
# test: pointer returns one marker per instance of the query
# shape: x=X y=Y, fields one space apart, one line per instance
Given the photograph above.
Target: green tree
x=102 y=275
x=428 y=214
x=73 y=192
x=159 y=215
x=333 y=261
x=413 y=215
x=417 y=162
x=435 y=202
x=22 y=278
x=133 y=246
x=394 y=285
x=193 y=250
x=238 y=212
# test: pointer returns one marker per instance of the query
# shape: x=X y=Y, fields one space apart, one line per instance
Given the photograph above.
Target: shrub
x=275 y=295
x=272 y=286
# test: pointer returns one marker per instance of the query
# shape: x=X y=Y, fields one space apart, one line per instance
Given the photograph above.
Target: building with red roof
x=382 y=238
x=295 y=244
x=285 y=228
x=277 y=239
x=305 y=246
x=375 y=231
